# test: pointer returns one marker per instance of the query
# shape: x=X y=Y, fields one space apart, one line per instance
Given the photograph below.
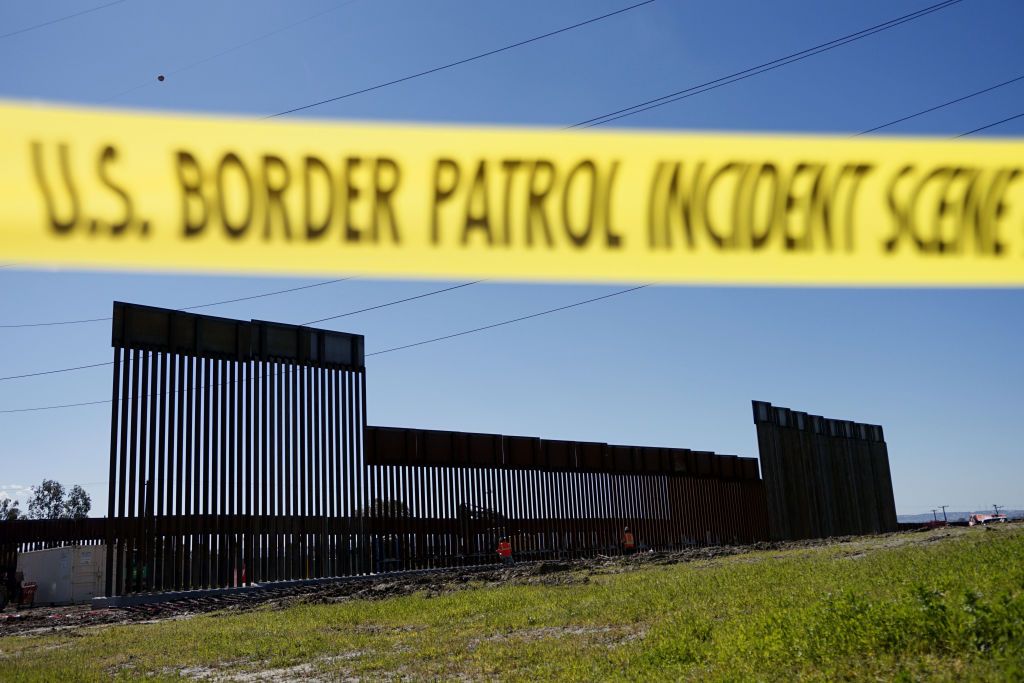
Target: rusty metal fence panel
x=441 y=498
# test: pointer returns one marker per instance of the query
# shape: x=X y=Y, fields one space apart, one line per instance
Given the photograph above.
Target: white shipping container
x=71 y=574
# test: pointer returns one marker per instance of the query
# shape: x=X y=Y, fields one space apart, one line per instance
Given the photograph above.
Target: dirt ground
x=547 y=572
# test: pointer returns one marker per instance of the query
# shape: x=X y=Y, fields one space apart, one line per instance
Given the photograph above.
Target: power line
x=507 y=322
x=234 y=48
x=260 y=296
x=60 y=19
x=940 y=106
x=185 y=308
x=54 y=372
x=57 y=322
x=62 y=405
x=376 y=353
x=392 y=303
x=333 y=317
x=760 y=68
x=127 y=399
x=1015 y=116
x=459 y=62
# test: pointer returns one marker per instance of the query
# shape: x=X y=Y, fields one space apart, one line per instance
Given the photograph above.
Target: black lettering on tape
x=446 y=179
x=988 y=220
x=107 y=156
x=314 y=167
x=536 y=214
x=190 y=179
x=611 y=238
x=898 y=210
x=669 y=198
x=386 y=177
x=231 y=161
x=966 y=199
x=656 y=214
x=933 y=245
x=684 y=202
x=58 y=225
x=276 y=178
x=859 y=172
x=759 y=239
x=721 y=240
x=579 y=235
x=803 y=203
x=509 y=168
x=478 y=209
x=352 y=231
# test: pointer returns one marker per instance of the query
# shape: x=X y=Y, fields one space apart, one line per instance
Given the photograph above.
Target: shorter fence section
x=441 y=498
x=433 y=500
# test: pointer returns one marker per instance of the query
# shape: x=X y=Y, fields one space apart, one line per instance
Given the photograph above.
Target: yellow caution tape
x=132 y=190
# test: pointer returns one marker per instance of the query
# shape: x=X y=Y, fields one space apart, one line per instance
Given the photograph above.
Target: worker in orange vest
x=628 y=541
x=504 y=550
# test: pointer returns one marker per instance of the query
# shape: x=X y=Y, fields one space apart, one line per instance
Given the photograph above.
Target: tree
x=49 y=502
x=9 y=510
x=78 y=503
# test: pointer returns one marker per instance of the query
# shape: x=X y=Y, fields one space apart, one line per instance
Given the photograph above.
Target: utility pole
x=934 y=516
x=944 y=519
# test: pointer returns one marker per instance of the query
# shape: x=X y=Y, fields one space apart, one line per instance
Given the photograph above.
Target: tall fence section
x=823 y=477
x=239 y=453
x=235 y=452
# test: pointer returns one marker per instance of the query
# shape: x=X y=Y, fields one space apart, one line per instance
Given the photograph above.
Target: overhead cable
x=60 y=19
x=507 y=322
x=760 y=68
x=333 y=317
x=185 y=308
x=377 y=353
x=940 y=106
x=991 y=125
x=458 y=62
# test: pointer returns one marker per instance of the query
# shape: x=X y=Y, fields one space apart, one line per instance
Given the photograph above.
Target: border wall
x=823 y=477
x=239 y=453
x=235 y=452
x=441 y=496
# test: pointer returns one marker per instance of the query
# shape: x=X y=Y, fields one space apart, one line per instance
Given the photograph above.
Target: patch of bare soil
x=307 y=672
x=608 y=635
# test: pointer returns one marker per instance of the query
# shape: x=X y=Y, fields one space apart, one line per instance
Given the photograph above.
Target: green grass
x=936 y=606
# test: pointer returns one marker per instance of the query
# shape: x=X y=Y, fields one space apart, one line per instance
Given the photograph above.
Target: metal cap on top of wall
x=165 y=330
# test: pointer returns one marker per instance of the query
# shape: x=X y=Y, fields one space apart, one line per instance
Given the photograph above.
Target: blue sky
x=942 y=370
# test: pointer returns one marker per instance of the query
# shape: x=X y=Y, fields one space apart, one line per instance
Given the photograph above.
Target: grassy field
x=941 y=605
